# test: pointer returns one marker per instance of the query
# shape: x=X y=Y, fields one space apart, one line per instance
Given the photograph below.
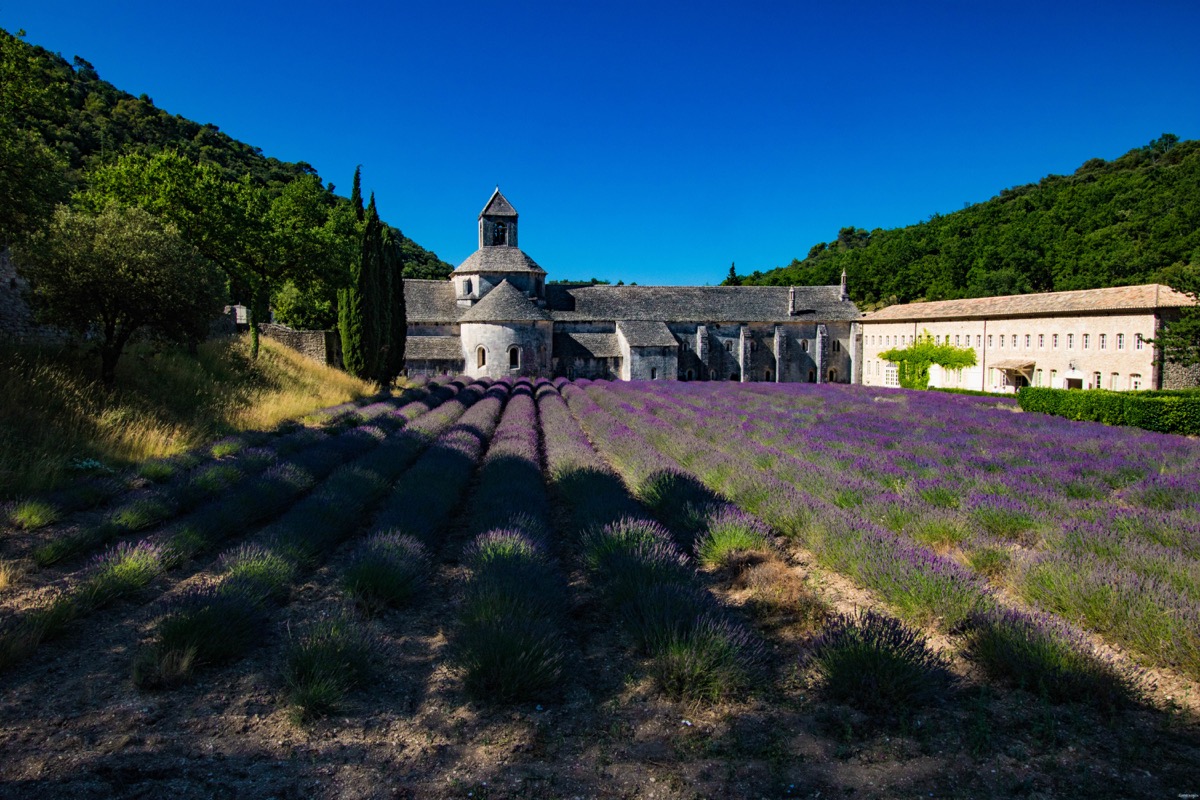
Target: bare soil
x=73 y=725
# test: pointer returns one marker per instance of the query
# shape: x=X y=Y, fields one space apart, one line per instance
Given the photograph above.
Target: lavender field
x=543 y=588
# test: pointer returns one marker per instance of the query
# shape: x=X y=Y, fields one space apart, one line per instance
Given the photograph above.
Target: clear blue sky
x=657 y=142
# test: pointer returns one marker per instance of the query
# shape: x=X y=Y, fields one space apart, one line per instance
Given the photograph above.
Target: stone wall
x=324 y=347
x=16 y=318
x=1177 y=376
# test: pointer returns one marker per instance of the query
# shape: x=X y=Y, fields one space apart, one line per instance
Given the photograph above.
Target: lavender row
x=1126 y=568
x=428 y=496
x=510 y=641
x=696 y=651
x=919 y=584
x=91 y=493
x=209 y=478
x=127 y=568
x=219 y=622
x=992 y=521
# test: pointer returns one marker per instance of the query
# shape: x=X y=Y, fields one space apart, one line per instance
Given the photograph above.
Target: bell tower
x=498 y=222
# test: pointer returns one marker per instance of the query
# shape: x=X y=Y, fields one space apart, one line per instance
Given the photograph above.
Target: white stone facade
x=1088 y=342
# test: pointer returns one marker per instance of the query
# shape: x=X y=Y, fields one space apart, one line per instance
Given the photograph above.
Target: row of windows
x=1115 y=383
x=514 y=357
x=1013 y=340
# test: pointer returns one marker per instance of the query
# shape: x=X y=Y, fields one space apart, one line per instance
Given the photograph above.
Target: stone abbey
x=496 y=316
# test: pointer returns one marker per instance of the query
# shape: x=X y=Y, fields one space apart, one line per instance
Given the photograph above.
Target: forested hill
x=1132 y=220
x=88 y=121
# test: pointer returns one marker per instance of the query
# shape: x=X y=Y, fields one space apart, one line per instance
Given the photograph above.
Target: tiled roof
x=696 y=303
x=430 y=301
x=586 y=345
x=646 y=334
x=505 y=303
x=501 y=258
x=498 y=206
x=433 y=348
x=1086 y=301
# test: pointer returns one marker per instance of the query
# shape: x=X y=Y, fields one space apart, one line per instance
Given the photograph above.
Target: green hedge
x=1166 y=412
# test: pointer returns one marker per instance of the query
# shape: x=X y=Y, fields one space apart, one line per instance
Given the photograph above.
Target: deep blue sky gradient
x=656 y=142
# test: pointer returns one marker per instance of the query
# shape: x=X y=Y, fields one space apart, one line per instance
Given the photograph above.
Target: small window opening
x=812 y=376
x=514 y=357
x=481 y=357
x=653 y=373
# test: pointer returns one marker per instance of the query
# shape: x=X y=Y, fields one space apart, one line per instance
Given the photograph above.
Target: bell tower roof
x=498 y=206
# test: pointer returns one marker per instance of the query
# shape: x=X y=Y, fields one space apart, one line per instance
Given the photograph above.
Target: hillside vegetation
x=88 y=122
x=1132 y=220
x=56 y=423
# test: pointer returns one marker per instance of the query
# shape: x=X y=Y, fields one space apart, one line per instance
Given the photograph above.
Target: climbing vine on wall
x=913 y=362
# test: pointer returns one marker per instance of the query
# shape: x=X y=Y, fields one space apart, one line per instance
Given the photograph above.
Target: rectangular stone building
x=497 y=316
x=1094 y=338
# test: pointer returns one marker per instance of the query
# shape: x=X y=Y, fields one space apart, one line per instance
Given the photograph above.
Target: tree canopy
x=112 y=274
x=1109 y=224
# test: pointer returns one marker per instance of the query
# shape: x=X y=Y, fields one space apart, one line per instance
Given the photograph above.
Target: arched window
x=467 y=286
x=691 y=374
x=728 y=346
x=653 y=373
x=481 y=357
x=499 y=233
x=833 y=376
x=837 y=346
x=768 y=376
x=804 y=347
x=812 y=376
x=514 y=357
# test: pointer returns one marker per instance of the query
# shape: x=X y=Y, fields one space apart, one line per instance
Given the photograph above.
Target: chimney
x=845 y=293
x=792 y=301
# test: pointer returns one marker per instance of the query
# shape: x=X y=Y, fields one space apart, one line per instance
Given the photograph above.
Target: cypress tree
x=397 y=313
x=356 y=193
x=374 y=289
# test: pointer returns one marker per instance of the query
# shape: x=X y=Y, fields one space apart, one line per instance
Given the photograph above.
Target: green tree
x=913 y=362
x=397 y=330
x=732 y=278
x=32 y=174
x=118 y=272
x=1179 y=339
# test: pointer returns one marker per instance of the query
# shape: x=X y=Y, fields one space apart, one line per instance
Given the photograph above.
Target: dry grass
x=11 y=573
x=55 y=416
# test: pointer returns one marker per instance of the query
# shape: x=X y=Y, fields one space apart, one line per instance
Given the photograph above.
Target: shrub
x=1044 y=658
x=1166 y=412
x=876 y=664
x=120 y=571
x=620 y=537
x=387 y=570
x=989 y=561
x=31 y=514
x=158 y=470
x=509 y=642
x=708 y=660
x=500 y=545
x=204 y=627
x=259 y=572
x=227 y=447
x=661 y=612
x=323 y=664
x=730 y=531
x=509 y=657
